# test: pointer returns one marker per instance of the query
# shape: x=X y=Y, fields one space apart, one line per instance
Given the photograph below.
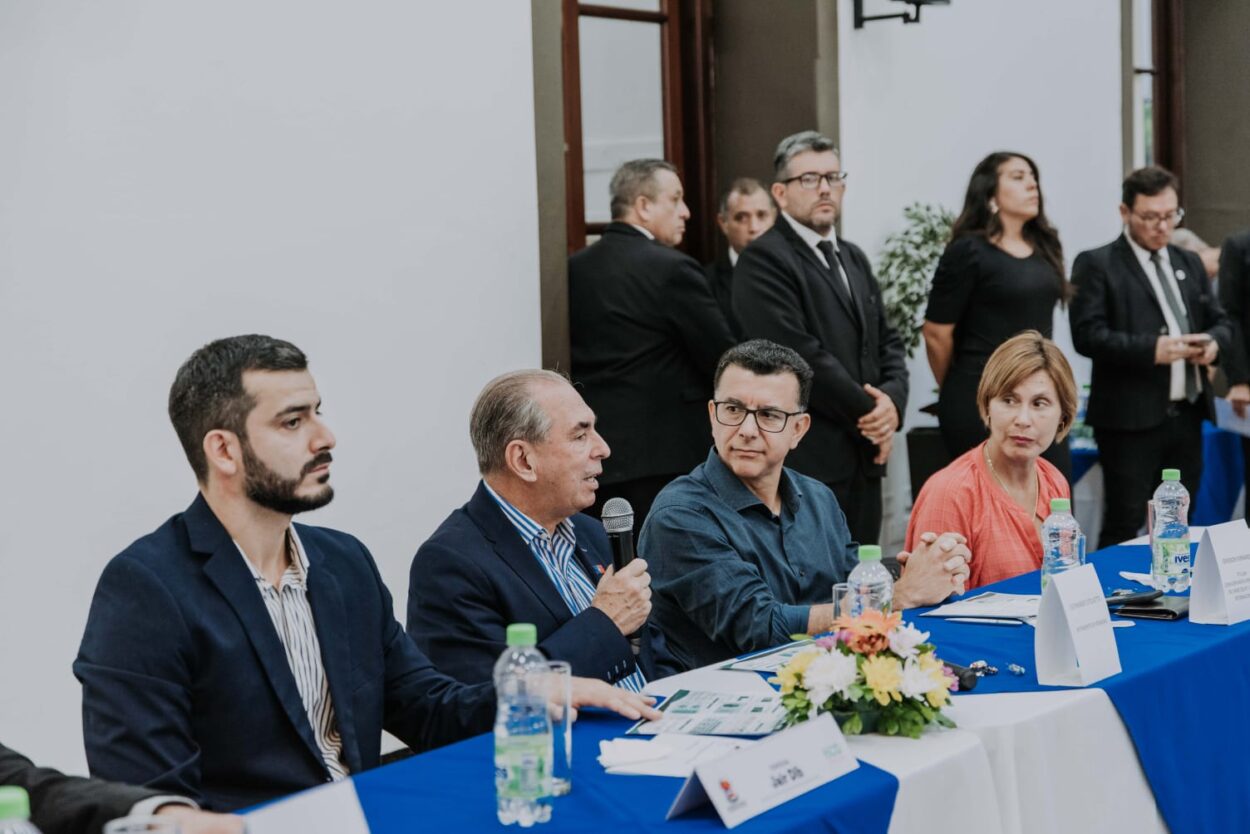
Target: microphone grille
x=617 y=516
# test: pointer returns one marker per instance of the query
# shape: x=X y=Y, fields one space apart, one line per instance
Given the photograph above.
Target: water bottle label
x=522 y=767
x=1170 y=556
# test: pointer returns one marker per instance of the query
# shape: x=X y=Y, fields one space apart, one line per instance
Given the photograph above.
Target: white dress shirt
x=1180 y=367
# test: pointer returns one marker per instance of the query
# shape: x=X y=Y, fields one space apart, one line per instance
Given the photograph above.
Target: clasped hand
x=936 y=568
x=880 y=424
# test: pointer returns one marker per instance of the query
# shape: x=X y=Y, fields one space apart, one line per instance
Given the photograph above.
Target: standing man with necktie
x=1145 y=313
x=799 y=286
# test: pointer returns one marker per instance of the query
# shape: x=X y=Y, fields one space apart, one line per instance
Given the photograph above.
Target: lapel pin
x=1180 y=275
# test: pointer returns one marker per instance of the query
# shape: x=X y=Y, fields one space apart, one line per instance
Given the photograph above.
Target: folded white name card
x=747 y=782
x=1074 y=644
x=1220 y=592
x=329 y=809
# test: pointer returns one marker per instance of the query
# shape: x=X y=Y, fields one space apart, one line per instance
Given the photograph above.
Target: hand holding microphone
x=624 y=592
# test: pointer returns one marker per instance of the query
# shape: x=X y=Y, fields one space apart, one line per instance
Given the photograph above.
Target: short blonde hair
x=1017 y=359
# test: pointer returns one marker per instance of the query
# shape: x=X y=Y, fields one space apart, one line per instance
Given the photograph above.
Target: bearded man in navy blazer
x=521 y=550
x=232 y=656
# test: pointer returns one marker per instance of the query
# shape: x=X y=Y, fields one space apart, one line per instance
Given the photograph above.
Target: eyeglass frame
x=1173 y=218
x=754 y=412
x=836 y=179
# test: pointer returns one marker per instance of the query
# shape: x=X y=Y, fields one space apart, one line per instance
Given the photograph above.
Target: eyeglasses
x=1152 y=219
x=811 y=180
x=771 y=420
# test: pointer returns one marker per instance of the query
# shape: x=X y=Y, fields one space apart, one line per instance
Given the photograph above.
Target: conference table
x=1164 y=745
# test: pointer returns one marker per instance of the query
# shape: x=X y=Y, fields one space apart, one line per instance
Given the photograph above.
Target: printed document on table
x=991 y=605
x=677 y=755
x=771 y=660
x=1228 y=420
x=716 y=714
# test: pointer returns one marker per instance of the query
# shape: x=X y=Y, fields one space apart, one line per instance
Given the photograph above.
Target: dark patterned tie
x=1182 y=320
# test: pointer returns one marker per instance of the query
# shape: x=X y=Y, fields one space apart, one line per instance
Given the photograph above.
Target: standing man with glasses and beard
x=231 y=656
x=1145 y=312
x=802 y=287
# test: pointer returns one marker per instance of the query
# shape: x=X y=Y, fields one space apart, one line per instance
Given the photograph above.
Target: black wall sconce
x=906 y=17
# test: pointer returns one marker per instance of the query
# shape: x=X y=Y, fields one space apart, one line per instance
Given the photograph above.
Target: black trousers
x=860 y=499
x=640 y=493
x=1132 y=462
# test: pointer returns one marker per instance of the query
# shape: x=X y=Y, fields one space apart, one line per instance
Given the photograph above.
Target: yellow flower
x=938 y=697
x=788 y=676
x=883 y=675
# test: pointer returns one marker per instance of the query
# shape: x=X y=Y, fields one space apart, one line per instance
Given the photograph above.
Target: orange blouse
x=965 y=498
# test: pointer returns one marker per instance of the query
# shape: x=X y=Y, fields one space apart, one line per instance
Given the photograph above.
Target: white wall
x=922 y=104
x=357 y=178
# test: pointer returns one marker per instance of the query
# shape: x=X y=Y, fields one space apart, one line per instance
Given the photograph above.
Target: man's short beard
x=273 y=492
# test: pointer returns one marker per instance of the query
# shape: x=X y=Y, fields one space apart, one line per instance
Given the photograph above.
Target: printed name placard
x=747 y=782
x=1220 y=591
x=1074 y=644
x=329 y=809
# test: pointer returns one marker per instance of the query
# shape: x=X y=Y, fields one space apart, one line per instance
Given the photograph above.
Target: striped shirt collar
x=526 y=527
x=296 y=573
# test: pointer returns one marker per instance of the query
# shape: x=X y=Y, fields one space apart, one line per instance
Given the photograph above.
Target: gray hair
x=505 y=411
x=744 y=186
x=634 y=179
x=792 y=146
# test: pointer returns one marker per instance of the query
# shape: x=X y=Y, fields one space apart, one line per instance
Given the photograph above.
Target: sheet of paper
x=1227 y=419
x=716 y=714
x=769 y=661
x=748 y=782
x=991 y=604
x=1220 y=594
x=680 y=754
x=1073 y=644
x=330 y=809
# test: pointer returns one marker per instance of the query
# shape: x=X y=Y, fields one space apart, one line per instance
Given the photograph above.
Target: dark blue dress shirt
x=730 y=577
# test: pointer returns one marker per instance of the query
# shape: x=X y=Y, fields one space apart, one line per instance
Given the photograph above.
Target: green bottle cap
x=14 y=804
x=869 y=552
x=1171 y=474
x=1060 y=505
x=522 y=634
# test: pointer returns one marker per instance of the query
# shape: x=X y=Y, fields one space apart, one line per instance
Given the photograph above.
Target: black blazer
x=476 y=575
x=720 y=277
x=186 y=687
x=61 y=804
x=1116 y=321
x=646 y=335
x=1234 y=290
x=783 y=292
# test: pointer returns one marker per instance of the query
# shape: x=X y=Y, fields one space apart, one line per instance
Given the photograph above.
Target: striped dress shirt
x=557 y=555
x=292 y=618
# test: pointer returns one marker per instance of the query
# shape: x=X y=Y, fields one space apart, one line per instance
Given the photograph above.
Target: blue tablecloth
x=1183 y=695
x=453 y=789
x=1222 y=474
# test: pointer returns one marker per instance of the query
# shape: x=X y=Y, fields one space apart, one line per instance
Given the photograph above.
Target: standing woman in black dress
x=1001 y=273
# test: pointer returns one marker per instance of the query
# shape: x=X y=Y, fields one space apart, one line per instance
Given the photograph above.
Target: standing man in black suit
x=799 y=286
x=61 y=804
x=1145 y=313
x=746 y=211
x=646 y=334
x=1235 y=296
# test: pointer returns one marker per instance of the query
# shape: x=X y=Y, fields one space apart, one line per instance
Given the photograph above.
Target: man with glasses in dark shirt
x=744 y=551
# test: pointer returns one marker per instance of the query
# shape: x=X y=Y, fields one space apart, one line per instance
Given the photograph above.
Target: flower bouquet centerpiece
x=875 y=673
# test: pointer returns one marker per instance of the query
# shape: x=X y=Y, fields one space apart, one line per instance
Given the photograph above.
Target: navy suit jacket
x=186 y=685
x=476 y=575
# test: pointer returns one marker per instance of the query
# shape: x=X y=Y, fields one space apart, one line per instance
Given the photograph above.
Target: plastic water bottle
x=15 y=812
x=523 y=753
x=872 y=588
x=1063 y=543
x=1169 y=534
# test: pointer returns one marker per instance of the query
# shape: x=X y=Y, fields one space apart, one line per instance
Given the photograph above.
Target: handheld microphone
x=618 y=523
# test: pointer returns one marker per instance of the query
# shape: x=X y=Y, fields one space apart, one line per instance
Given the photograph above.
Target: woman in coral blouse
x=998 y=493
